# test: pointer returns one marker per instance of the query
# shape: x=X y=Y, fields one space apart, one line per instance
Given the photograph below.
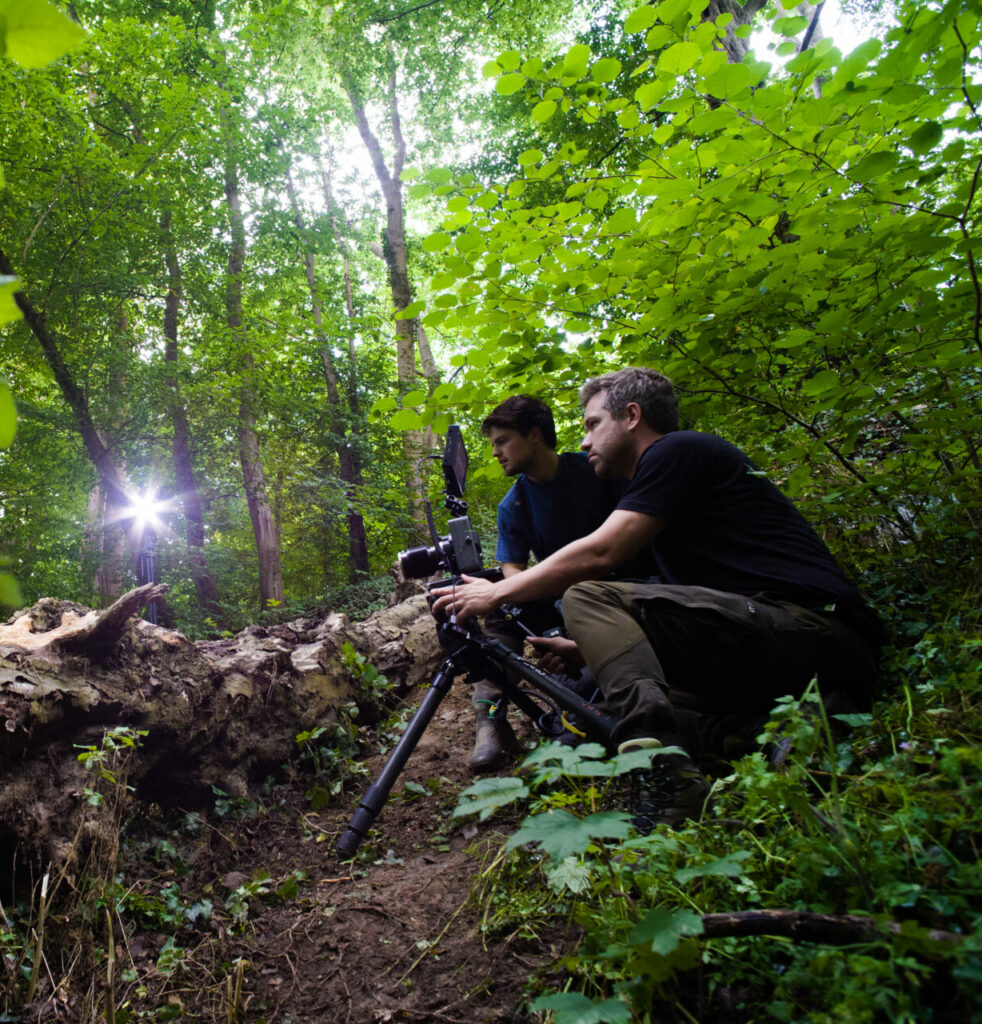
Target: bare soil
x=398 y=938
x=396 y=935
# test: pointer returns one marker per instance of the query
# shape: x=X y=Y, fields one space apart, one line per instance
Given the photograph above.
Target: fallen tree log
x=219 y=713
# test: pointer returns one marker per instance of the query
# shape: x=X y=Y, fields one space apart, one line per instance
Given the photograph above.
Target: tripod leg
x=377 y=793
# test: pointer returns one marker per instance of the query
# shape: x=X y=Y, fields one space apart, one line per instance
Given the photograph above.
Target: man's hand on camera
x=475 y=596
x=557 y=654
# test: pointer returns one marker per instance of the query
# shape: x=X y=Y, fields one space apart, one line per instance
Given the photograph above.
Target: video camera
x=460 y=550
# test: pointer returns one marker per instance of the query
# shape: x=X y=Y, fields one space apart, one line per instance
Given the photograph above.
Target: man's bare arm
x=622 y=535
x=511 y=568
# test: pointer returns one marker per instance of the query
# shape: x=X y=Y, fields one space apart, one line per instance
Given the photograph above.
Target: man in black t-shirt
x=753 y=605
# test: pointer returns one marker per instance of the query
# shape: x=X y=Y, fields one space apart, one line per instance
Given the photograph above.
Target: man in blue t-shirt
x=556 y=499
x=752 y=605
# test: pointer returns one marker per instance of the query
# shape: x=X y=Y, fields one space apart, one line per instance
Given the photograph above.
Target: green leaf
x=873 y=166
x=510 y=84
x=926 y=137
x=640 y=19
x=679 y=58
x=571 y=874
x=576 y=1008
x=790 y=26
x=405 y=419
x=730 y=866
x=8 y=308
x=662 y=930
x=414 y=308
x=436 y=242
x=10 y=591
x=562 y=835
x=413 y=398
x=33 y=33
x=729 y=81
x=826 y=380
x=605 y=70
x=8 y=417
x=543 y=111
x=575 y=61
x=487 y=795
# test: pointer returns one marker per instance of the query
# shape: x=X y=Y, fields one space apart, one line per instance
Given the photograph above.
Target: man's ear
x=535 y=436
x=633 y=415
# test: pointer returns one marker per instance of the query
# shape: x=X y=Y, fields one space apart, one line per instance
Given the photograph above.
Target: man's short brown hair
x=522 y=413
x=649 y=389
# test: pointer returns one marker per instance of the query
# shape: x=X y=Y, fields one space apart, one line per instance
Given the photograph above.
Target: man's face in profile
x=607 y=442
x=515 y=452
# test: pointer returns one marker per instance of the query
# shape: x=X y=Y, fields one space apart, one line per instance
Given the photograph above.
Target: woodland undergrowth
x=834 y=876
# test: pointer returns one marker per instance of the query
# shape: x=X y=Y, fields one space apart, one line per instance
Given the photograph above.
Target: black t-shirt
x=729 y=528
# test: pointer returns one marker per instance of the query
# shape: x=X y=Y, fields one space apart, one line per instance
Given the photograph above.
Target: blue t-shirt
x=729 y=528
x=540 y=518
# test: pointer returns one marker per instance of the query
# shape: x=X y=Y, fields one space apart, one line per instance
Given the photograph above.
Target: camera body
x=459 y=551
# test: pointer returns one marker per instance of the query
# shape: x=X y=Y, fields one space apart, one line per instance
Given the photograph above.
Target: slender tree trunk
x=187 y=487
x=349 y=471
x=263 y=524
x=410 y=335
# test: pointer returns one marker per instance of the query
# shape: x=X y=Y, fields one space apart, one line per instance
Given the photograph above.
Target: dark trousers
x=665 y=656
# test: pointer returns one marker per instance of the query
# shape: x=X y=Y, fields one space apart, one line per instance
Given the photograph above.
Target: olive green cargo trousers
x=664 y=656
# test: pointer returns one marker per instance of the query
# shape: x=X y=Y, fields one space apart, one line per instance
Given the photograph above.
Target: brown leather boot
x=495 y=739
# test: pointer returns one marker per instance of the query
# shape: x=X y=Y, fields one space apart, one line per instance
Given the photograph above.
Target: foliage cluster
x=868 y=816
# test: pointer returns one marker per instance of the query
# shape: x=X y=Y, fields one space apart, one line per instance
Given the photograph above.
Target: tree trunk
x=187 y=487
x=347 y=465
x=254 y=478
x=410 y=335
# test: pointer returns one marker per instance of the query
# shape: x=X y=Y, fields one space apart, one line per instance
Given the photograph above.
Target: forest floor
x=395 y=935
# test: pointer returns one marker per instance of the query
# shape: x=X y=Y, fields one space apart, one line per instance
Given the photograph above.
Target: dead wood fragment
x=806 y=926
x=97 y=640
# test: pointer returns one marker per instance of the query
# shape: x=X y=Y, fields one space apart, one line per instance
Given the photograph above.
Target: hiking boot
x=671 y=791
x=495 y=739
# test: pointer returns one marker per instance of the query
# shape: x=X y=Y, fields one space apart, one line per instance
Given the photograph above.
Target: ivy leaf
x=562 y=835
x=486 y=795
x=8 y=417
x=576 y=1008
x=662 y=930
x=35 y=33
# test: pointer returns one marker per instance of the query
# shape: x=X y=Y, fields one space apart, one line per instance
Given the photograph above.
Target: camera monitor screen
x=454 y=462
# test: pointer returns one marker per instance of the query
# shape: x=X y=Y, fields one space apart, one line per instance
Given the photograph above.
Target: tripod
x=482 y=657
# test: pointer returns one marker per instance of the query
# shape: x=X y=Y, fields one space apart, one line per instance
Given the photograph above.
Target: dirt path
x=397 y=938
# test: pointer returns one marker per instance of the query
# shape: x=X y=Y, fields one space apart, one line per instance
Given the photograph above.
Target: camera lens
x=418 y=563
